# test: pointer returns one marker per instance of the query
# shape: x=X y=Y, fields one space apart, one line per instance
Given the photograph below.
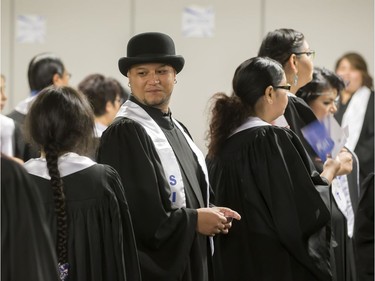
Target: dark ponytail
x=228 y=113
x=250 y=80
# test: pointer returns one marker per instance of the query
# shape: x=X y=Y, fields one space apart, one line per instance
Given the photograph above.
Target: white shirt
x=7 y=132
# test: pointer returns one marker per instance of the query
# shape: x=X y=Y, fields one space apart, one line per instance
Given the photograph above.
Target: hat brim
x=125 y=63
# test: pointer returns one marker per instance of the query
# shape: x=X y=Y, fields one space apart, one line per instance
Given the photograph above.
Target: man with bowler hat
x=162 y=170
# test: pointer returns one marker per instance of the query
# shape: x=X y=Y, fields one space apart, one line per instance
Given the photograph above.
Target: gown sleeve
x=289 y=191
x=163 y=235
x=26 y=244
x=129 y=244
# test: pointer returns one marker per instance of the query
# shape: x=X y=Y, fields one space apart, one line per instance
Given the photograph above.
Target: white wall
x=90 y=36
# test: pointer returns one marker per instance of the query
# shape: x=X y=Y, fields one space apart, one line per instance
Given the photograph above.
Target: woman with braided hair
x=85 y=203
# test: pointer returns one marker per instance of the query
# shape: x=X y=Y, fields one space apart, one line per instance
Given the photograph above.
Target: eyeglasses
x=285 y=87
x=310 y=54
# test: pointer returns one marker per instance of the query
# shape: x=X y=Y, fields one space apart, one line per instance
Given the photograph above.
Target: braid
x=60 y=204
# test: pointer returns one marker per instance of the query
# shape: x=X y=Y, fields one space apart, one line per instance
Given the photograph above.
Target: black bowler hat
x=150 y=47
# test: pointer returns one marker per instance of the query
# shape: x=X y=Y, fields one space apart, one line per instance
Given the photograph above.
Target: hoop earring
x=295 y=81
x=175 y=81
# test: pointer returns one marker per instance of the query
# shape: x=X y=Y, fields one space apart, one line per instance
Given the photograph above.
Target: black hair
x=250 y=81
x=280 y=44
x=323 y=79
x=60 y=120
x=41 y=70
x=124 y=93
x=99 y=90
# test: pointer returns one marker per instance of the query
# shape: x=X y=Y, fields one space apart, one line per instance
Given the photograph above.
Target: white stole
x=166 y=154
x=250 y=123
x=355 y=114
x=340 y=192
x=68 y=163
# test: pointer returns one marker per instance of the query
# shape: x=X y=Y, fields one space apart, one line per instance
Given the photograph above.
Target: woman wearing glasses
x=290 y=48
x=262 y=171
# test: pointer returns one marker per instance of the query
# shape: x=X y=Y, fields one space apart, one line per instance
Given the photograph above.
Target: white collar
x=99 y=129
x=24 y=106
x=250 y=123
x=68 y=163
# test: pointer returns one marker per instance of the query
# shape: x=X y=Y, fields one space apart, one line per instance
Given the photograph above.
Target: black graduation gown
x=263 y=173
x=364 y=232
x=169 y=247
x=101 y=243
x=365 y=145
x=17 y=116
x=27 y=251
x=298 y=114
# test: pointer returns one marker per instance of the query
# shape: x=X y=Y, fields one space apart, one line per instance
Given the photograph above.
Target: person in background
x=321 y=94
x=105 y=95
x=263 y=171
x=87 y=211
x=163 y=172
x=44 y=69
x=7 y=124
x=27 y=251
x=9 y=130
x=356 y=109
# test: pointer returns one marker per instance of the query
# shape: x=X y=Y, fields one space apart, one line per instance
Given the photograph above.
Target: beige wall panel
x=89 y=36
x=210 y=62
x=332 y=27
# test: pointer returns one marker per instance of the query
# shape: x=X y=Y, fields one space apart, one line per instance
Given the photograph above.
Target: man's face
x=152 y=84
